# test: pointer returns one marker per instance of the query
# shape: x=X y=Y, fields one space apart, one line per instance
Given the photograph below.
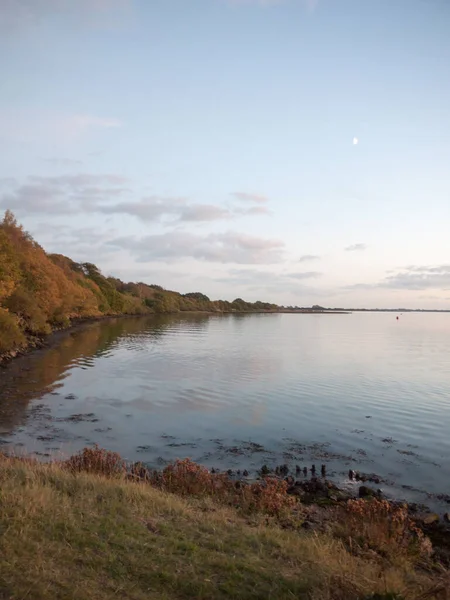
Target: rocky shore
x=321 y=499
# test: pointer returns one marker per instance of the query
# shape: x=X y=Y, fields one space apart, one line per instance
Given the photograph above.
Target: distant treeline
x=41 y=292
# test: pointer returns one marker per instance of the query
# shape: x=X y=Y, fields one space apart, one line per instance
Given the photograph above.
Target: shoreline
x=321 y=500
x=314 y=486
x=37 y=343
x=185 y=533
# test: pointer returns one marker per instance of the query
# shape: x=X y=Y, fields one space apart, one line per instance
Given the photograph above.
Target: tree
x=9 y=267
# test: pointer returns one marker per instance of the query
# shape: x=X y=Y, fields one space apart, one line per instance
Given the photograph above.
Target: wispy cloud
x=308 y=257
x=63 y=194
x=253 y=210
x=155 y=208
x=271 y=282
x=246 y=197
x=95 y=193
x=229 y=247
x=80 y=180
x=413 y=278
x=84 y=242
x=420 y=278
x=305 y=275
x=356 y=248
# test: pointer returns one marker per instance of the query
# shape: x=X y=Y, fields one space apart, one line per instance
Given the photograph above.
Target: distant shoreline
x=52 y=339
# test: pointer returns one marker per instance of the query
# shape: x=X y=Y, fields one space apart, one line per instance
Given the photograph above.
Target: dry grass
x=383 y=527
x=187 y=478
x=96 y=460
x=72 y=535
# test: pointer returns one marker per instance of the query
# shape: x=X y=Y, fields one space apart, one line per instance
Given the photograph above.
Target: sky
x=293 y=151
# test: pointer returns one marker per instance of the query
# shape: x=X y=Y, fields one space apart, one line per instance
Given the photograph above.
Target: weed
x=186 y=478
x=96 y=460
x=383 y=527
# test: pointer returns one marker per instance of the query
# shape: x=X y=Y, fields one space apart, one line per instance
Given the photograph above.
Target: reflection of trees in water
x=157 y=327
x=43 y=371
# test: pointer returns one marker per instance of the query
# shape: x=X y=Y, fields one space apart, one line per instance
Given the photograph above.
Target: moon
x=355 y=141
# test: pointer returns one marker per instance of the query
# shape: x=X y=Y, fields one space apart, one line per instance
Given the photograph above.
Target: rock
x=315 y=489
x=229 y=472
x=447 y=517
x=430 y=519
x=443 y=497
x=366 y=492
x=296 y=490
x=282 y=470
x=265 y=470
x=245 y=473
x=307 y=525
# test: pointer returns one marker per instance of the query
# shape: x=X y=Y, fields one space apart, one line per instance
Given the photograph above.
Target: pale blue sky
x=208 y=144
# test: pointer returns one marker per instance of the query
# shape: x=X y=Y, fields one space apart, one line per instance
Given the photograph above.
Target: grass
x=67 y=534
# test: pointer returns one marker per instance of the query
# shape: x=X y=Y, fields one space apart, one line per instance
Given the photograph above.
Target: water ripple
x=349 y=382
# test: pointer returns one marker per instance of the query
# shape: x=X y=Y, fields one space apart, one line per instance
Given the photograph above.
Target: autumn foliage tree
x=40 y=292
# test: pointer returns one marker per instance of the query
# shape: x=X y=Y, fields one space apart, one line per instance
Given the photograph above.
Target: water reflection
x=361 y=391
x=44 y=371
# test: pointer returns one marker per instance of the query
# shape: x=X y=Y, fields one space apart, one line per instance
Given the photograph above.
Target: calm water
x=360 y=391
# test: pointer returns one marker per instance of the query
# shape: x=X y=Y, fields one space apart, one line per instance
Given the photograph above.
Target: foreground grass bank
x=67 y=534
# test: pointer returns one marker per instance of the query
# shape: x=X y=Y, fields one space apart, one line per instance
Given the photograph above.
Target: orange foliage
x=41 y=292
x=185 y=477
x=384 y=527
x=96 y=460
x=44 y=292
